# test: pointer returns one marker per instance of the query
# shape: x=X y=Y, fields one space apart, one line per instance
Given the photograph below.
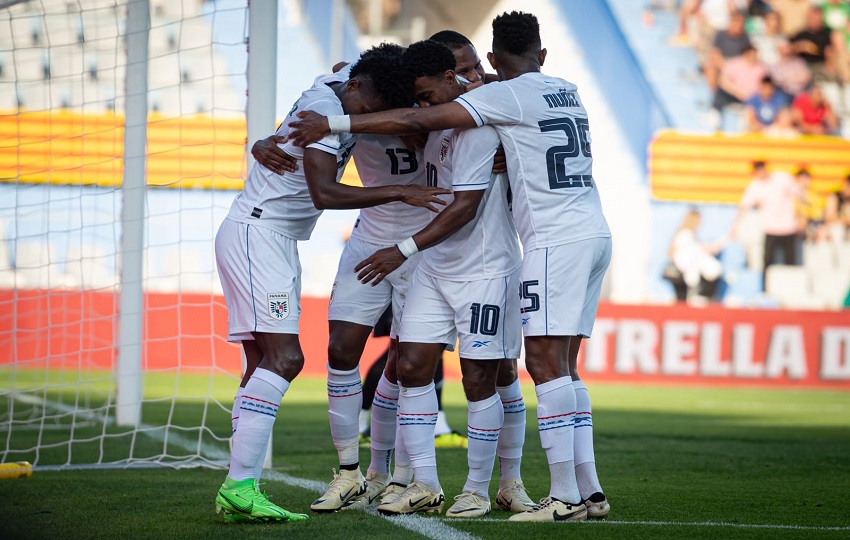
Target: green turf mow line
x=680 y=524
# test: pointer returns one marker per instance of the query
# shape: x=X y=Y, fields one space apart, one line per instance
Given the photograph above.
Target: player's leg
x=512 y=495
x=585 y=459
x=551 y=312
x=352 y=313
x=370 y=384
x=484 y=422
x=444 y=435
x=274 y=328
x=417 y=414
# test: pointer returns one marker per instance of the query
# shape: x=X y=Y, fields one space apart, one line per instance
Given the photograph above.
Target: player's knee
x=342 y=356
x=507 y=373
x=411 y=375
x=287 y=364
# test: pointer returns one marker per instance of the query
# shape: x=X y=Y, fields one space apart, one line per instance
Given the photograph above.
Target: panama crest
x=444 y=149
x=279 y=305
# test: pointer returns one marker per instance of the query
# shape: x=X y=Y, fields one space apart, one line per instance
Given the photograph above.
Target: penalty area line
x=774 y=526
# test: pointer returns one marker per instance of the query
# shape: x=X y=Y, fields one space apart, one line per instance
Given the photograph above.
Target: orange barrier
x=70 y=148
x=717 y=168
x=637 y=344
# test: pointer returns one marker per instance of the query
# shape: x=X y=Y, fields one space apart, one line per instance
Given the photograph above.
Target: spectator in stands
x=765 y=106
x=813 y=45
x=768 y=39
x=775 y=195
x=739 y=79
x=836 y=16
x=837 y=213
x=790 y=74
x=729 y=43
x=696 y=262
x=809 y=211
x=812 y=113
x=792 y=15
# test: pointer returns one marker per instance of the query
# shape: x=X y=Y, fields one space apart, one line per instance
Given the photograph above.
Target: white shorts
x=261 y=278
x=561 y=285
x=482 y=314
x=364 y=304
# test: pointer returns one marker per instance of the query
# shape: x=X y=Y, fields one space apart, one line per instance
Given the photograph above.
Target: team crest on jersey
x=279 y=305
x=444 y=149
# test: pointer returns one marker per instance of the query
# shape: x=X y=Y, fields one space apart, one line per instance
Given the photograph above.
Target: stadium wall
x=639 y=112
x=634 y=344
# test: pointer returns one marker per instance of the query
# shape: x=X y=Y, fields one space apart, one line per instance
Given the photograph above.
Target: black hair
x=516 y=33
x=427 y=59
x=803 y=170
x=451 y=39
x=767 y=79
x=382 y=66
x=759 y=164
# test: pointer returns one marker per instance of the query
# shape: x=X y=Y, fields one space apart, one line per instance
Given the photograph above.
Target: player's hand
x=423 y=196
x=269 y=155
x=379 y=265
x=500 y=162
x=413 y=142
x=311 y=128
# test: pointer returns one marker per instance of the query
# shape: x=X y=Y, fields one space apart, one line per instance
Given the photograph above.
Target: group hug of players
x=438 y=238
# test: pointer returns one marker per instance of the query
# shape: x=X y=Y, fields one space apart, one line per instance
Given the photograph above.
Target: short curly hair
x=427 y=59
x=382 y=66
x=516 y=33
x=451 y=39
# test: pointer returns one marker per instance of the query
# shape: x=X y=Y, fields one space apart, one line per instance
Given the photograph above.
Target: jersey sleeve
x=472 y=162
x=493 y=103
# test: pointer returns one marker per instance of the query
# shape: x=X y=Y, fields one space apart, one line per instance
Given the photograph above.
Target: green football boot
x=241 y=501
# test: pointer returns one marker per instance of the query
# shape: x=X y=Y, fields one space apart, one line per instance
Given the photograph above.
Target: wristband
x=408 y=248
x=339 y=124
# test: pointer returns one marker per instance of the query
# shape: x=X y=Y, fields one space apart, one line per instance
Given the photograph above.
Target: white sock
x=345 y=398
x=588 y=482
x=260 y=401
x=442 y=425
x=484 y=421
x=384 y=410
x=234 y=413
x=402 y=473
x=417 y=414
x=512 y=436
x=363 y=421
x=555 y=411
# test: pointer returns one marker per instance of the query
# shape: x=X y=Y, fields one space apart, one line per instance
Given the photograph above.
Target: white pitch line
x=430 y=528
x=593 y=522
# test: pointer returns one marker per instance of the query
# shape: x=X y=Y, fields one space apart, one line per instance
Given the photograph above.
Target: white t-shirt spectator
x=775 y=197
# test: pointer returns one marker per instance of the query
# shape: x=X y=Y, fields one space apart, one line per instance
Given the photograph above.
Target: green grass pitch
x=674 y=462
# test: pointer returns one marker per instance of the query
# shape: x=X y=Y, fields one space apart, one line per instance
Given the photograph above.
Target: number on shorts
x=485 y=319
x=526 y=294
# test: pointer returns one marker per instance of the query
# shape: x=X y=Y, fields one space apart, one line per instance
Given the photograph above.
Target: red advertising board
x=642 y=344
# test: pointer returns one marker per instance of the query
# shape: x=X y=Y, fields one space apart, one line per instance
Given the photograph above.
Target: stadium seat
x=790 y=286
x=844 y=257
x=818 y=256
x=830 y=287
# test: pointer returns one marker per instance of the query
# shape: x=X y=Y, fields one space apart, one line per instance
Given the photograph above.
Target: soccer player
x=465 y=285
x=257 y=258
x=545 y=131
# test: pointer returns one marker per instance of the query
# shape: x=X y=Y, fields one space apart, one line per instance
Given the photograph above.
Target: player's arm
x=461 y=211
x=269 y=155
x=313 y=126
x=320 y=170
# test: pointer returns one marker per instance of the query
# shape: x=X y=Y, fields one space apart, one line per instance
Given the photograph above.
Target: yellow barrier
x=64 y=147
x=717 y=168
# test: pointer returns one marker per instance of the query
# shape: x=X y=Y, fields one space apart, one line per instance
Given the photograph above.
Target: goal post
x=128 y=411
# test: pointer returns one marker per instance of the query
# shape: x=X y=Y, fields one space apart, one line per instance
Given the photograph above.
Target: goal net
x=66 y=90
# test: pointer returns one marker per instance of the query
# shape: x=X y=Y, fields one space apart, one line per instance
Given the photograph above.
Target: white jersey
x=487 y=247
x=282 y=202
x=384 y=160
x=544 y=129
